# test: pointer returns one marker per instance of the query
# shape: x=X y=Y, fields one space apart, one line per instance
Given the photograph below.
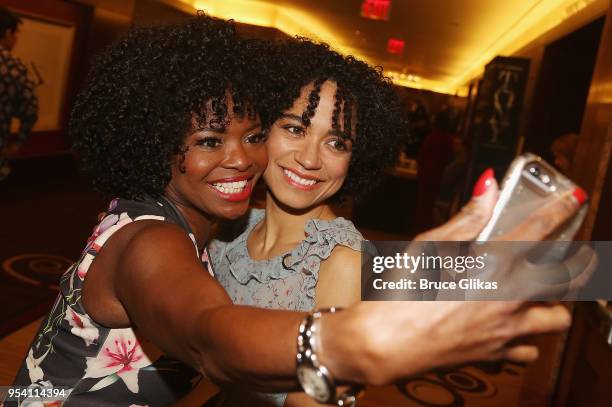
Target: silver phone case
x=520 y=196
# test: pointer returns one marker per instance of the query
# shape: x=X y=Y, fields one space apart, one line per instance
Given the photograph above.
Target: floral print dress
x=100 y=366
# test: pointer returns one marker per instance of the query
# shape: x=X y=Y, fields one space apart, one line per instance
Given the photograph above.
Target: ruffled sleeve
x=321 y=238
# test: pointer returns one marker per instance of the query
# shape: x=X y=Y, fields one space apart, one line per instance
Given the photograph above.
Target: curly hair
x=149 y=90
x=381 y=120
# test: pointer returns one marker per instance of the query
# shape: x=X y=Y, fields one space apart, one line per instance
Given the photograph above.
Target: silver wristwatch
x=314 y=378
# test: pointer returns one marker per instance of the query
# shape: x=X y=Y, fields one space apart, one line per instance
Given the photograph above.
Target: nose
x=308 y=155
x=237 y=158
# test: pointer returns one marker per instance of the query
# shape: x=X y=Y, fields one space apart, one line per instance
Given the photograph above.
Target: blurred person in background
x=435 y=154
x=17 y=97
x=419 y=125
x=448 y=200
x=563 y=149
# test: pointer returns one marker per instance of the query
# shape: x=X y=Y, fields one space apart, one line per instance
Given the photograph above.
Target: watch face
x=313 y=383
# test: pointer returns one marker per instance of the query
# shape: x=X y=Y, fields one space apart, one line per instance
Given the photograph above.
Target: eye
x=339 y=145
x=295 y=130
x=257 y=138
x=209 y=142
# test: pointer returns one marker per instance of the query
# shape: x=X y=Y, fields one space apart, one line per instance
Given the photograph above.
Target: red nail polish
x=580 y=195
x=485 y=180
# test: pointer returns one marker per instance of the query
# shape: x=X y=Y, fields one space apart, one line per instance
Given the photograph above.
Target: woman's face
x=219 y=168
x=307 y=165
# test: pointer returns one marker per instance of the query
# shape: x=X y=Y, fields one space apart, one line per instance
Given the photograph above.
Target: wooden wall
x=591 y=163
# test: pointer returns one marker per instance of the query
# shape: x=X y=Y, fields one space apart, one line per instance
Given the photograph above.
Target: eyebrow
x=333 y=132
x=223 y=129
x=291 y=116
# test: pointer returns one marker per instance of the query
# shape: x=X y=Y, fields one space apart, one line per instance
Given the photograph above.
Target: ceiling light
x=541 y=18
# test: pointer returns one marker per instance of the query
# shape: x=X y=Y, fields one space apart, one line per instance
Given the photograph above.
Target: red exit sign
x=395 y=46
x=376 y=9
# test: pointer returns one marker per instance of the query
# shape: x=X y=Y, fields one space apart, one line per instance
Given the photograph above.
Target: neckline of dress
x=260 y=215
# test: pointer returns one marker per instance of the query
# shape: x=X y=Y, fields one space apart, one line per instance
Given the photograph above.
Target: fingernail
x=483 y=183
x=580 y=195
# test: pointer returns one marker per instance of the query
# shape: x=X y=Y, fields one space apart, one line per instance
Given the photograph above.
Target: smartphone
x=529 y=183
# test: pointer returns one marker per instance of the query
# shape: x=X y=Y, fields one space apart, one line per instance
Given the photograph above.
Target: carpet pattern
x=47 y=212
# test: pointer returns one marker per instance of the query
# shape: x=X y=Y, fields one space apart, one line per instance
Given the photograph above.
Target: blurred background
x=481 y=80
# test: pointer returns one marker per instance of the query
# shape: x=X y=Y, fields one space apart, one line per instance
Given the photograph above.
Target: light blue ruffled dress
x=284 y=282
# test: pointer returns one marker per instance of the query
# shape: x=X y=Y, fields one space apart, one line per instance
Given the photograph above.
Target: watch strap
x=307 y=347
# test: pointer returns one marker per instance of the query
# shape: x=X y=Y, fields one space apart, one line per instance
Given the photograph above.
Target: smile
x=230 y=187
x=233 y=189
x=299 y=181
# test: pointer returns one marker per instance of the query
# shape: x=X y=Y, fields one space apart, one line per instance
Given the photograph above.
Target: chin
x=296 y=202
x=232 y=212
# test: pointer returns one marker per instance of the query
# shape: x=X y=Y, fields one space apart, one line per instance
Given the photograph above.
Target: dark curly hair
x=381 y=121
x=149 y=90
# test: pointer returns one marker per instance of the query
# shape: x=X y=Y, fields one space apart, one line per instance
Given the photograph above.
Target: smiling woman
x=338 y=125
x=225 y=158
x=180 y=142
x=308 y=163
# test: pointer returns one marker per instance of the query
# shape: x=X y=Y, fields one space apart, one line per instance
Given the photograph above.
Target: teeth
x=299 y=180
x=230 y=187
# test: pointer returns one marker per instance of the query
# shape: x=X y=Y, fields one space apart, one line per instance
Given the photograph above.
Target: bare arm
x=339 y=285
x=339 y=281
x=174 y=302
x=168 y=295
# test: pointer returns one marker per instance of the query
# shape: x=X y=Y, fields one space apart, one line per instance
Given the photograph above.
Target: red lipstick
x=243 y=195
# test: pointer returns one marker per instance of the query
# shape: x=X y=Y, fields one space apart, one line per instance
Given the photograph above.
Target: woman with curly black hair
x=170 y=122
x=338 y=125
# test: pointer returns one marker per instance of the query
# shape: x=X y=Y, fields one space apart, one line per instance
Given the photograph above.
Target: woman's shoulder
x=342 y=257
x=342 y=242
x=321 y=238
x=335 y=242
x=334 y=232
x=145 y=208
x=121 y=212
